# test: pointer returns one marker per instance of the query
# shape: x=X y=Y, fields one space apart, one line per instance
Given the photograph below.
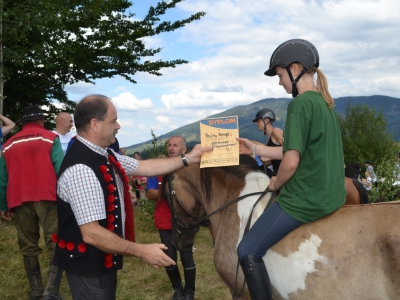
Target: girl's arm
x=287 y=168
x=246 y=147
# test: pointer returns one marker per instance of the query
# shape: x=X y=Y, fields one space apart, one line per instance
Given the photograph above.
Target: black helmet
x=292 y=51
x=265 y=113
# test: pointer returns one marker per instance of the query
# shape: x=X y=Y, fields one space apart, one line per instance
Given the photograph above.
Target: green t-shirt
x=317 y=187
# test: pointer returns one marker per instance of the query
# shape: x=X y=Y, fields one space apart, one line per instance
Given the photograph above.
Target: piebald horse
x=353 y=253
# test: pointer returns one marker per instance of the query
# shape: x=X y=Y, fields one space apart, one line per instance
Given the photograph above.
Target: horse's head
x=187 y=211
x=194 y=192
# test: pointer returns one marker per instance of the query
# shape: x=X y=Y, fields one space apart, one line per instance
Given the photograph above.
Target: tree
x=47 y=44
x=364 y=135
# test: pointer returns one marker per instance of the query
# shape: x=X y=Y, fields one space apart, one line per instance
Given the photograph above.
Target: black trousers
x=102 y=287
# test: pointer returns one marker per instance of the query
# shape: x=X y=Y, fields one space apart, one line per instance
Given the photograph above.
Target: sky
x=229 y=50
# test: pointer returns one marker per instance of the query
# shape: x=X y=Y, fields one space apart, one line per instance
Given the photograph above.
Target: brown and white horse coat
x=353 y=253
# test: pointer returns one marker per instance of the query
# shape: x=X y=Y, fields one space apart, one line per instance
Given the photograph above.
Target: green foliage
x=158 y=147
x=364 y=135
x=385 y=191
x=51 y=43
x=148 y=207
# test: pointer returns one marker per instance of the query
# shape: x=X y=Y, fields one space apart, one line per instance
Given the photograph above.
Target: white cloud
x=163 y=119
x=231 y=46
x=80 y=88
x=128 y=101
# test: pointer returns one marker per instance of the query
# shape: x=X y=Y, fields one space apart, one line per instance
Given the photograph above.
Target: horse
x=356 y=193
x=353 y=253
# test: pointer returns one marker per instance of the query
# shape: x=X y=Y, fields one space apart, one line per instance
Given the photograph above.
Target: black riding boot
x=52 y=291
x=256 y=277
x=190 y=284
x=176 y=281
x=32 y=267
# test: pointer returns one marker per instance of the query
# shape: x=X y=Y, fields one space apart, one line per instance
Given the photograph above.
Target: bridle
x=194 y=226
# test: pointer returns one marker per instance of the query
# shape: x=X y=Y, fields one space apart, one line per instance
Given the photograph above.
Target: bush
x=385 y=191
x=147 y=206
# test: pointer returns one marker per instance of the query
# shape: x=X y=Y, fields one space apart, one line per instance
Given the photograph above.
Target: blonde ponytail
x=322 y=86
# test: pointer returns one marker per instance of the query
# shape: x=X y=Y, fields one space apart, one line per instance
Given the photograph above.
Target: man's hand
x=154 y=255
x=6 y=215
x=195 y=154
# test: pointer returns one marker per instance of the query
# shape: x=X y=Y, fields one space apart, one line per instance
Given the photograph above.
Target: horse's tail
x=361 y=190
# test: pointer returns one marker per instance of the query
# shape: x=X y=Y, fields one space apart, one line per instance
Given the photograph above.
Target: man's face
x=136 y=156
x=67 y=122
x=109 y=127
x=175 y=147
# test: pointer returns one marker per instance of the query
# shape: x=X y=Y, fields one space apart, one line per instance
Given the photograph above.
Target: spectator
x=396 y=171
x=64 y=124
x=162 y=218
x=8 y=125
x=136 y=155
x=370 y=170
x=138 y=182
x=28 y=171
x=96 y=223
x=367 y=183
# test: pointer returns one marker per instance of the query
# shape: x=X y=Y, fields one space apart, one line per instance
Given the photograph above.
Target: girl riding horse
x=310 y=177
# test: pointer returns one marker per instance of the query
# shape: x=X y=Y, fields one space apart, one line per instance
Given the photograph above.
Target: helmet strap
x=295 y=91
x=265 y=126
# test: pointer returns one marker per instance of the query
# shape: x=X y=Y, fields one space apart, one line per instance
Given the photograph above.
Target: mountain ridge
x=246 y=113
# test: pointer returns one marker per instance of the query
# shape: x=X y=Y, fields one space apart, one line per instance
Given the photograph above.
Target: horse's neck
x=240 y=210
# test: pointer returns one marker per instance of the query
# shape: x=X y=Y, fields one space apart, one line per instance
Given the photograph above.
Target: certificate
x=220 y=133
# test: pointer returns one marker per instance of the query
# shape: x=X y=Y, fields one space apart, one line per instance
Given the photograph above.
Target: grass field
x=136 y=281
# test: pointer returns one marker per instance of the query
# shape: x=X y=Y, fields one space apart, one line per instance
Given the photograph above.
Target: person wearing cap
x=310 y=177
x=28 y=175
x=8 y=125
x=64 y=123
x=264 y=120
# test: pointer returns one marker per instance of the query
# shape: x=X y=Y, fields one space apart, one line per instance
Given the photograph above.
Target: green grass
x=136 y=281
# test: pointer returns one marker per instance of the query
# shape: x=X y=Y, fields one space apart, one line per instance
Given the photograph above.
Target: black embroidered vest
x=72 y=253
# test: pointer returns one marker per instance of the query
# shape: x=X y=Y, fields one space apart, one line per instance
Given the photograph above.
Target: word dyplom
x=221 y=121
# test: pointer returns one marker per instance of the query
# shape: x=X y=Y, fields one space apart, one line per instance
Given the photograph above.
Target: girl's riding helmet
x=291 y=51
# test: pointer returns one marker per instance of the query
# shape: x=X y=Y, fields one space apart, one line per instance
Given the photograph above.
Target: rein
x=197 y=223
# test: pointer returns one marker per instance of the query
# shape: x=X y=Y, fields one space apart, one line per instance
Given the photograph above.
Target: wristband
x=254 y=150
x=185 y=163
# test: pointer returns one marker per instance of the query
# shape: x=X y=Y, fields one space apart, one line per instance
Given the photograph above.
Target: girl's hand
x=272 y=184
x=245 y=146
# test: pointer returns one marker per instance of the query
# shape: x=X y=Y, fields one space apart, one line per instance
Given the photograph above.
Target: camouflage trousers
x=29 y=217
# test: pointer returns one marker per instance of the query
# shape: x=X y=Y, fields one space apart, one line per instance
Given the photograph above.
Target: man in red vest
x=28 y=176
x=162 y=219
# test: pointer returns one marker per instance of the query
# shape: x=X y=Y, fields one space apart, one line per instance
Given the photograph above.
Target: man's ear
x=94 y=125
x=184 y=150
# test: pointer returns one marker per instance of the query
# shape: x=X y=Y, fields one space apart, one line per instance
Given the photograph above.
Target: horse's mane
x=361 y=190
x=246 y=165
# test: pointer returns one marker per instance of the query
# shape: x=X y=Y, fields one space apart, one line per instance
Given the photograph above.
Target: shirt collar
x=93 y=147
